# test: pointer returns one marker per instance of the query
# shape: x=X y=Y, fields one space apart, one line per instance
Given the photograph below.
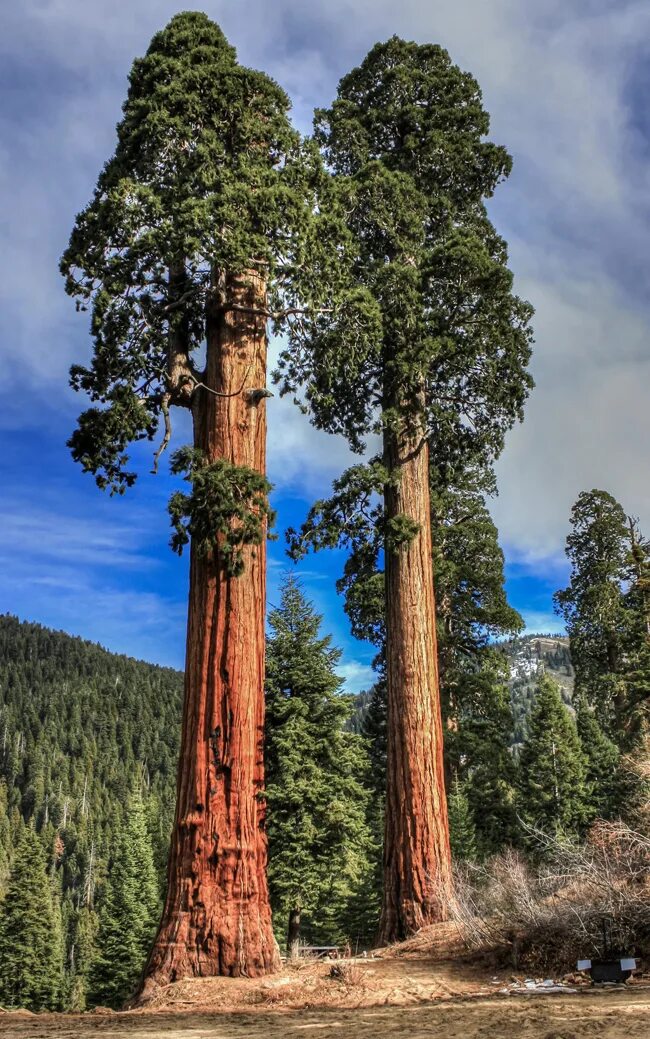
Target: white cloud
x=94 y=574
x=357 y=677
x=557 y=80
x=68 y=538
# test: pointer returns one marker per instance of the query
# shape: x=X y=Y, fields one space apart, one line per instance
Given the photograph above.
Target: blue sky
x=567 y=85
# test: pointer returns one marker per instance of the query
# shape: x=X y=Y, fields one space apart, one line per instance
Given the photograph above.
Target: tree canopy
x=208 y=177
x=427 y=328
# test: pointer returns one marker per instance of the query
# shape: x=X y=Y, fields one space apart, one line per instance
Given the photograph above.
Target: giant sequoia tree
x=186 y=248
x=428 y=350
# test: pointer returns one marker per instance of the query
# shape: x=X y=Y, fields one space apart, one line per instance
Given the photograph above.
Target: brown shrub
x=585 y=900
x=347 y=972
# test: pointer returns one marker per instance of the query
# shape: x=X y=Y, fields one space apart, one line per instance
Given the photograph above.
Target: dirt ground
x=425 y=988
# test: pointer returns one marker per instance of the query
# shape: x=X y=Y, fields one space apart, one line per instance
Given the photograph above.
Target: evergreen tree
x=480 y=749
x=373 y=729
x=429 y=347
x=462 y=832
x=604 y=784
x=319 y=841
x=552 y=767
x=5 y=837
x=637 y=648
x=593 y=606
x=128 y=915
x=31 y=953
x=81 y=956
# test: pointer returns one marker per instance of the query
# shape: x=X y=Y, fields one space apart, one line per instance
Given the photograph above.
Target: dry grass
x=586 y=900
x=349 y=973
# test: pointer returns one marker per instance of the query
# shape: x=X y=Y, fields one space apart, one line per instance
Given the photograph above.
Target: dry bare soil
x=425 y=988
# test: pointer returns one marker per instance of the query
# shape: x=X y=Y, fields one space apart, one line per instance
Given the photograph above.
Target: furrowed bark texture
x=417 y=857
x=217 y=916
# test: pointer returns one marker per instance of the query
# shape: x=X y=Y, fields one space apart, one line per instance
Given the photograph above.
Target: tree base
x=398 y=923
x=173 y=961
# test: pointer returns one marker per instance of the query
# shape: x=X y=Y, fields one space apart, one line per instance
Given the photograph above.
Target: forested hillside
x=529 y=656
x=88 y=743
x=81 y=729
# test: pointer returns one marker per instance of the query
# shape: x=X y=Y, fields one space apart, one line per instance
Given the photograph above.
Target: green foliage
x=208 y=179
x=552 y=767
x=468 y=563
x=31 y=951
x=472 y=610
x=100 y=441
x=226 y=509
x=129 y=914
x=607 y=613
x=440 y=348
x=528 y=657
x=80 y=729
x=593 y=604
x=439 y=340
x=83 y=929
x=462 y=833
x=479 y=750
x=319 y=841
x=604 y=781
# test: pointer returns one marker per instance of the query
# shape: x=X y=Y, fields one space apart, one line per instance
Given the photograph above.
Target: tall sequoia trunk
x=417 y=857
x=217 y=916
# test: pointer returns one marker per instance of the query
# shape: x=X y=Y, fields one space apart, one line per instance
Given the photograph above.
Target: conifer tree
x=552 y=767
x=319 y=842
x=81 y=956
x=5 y=837
x=637 y=645
x=189 y=244
x=604 y=783
x=128 y=915
x=479 y=747
x=593 y=605
x=31 y=953
x=462 y=832
x=430 y=348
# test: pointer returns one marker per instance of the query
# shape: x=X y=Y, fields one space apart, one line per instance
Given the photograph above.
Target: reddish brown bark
x=417 y=857
x=217 y=917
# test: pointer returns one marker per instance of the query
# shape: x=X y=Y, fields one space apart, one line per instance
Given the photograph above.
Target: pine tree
x=462 y=832
x=480 y=748
x=552 y=767
x=196 y=228
x=637 y=645
x=604 y=782
x=31 y=954
x=128 y=915
x=593 y=606
x=428 y=349
x=81 y=956
x=319 y=842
